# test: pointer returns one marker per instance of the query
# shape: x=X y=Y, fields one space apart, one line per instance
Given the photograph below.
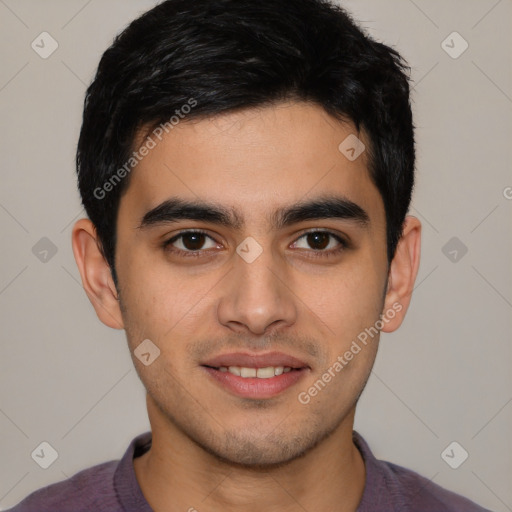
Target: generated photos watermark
x=363 y=338
x=144 y=149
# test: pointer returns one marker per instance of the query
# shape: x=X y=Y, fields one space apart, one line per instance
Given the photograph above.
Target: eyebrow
x=175 y=209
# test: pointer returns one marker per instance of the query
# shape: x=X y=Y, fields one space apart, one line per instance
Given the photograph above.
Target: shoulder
x=89 y=489
x=422 y=495
x=393 y=487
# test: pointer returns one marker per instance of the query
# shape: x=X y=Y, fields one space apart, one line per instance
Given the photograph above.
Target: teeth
x=265 y=373
x=235 y=370
x=248 y=372
x=260 y=373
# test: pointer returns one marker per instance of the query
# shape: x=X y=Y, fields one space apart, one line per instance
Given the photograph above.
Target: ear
x=95 y=272
x=402 y=274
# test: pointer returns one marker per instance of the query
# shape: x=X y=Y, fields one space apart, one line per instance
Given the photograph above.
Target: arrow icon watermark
x=147 y=352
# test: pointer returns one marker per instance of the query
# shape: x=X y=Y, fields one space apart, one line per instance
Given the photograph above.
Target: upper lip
x=248 y=360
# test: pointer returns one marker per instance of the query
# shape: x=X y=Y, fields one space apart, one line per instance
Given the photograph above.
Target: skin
x=213 y=450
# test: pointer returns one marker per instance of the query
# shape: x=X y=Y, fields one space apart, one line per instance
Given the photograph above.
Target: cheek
x=166 y=304
x=346 y=301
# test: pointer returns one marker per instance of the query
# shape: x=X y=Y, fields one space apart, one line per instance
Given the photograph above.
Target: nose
x=256 y=296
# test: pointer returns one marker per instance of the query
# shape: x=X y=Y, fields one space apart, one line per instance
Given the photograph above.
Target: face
x=255 y=280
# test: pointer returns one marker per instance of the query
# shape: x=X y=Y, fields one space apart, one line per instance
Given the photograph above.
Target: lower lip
x=252 y=387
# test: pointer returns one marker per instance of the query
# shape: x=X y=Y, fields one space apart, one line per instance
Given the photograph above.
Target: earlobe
x=96 y=275
x=402 y=275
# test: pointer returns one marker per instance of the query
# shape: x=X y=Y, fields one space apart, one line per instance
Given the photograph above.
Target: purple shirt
x=113 y=487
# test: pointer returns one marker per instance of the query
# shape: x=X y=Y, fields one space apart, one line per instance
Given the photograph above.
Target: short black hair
x=227 y=55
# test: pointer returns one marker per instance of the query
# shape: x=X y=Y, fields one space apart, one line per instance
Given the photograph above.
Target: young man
x=247 y=169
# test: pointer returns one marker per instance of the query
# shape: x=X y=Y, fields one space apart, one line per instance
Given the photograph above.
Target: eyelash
x=167 y=245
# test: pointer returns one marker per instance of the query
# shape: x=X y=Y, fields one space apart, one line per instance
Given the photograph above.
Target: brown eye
x=190 y=243
x=193 y=241
x=321 y=243
x=318 y=240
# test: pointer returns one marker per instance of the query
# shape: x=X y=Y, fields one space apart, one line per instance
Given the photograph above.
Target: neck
x=178 y=475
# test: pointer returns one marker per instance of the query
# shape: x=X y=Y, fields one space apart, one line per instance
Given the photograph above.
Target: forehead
x=254 y=161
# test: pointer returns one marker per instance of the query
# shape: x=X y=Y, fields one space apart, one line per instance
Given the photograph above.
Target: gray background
x=444 y=376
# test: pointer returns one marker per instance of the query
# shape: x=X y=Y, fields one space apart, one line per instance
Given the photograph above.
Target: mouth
x=259 y=373
x=254 y=375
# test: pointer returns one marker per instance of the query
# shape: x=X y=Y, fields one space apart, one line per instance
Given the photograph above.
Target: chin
x=263 y=452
